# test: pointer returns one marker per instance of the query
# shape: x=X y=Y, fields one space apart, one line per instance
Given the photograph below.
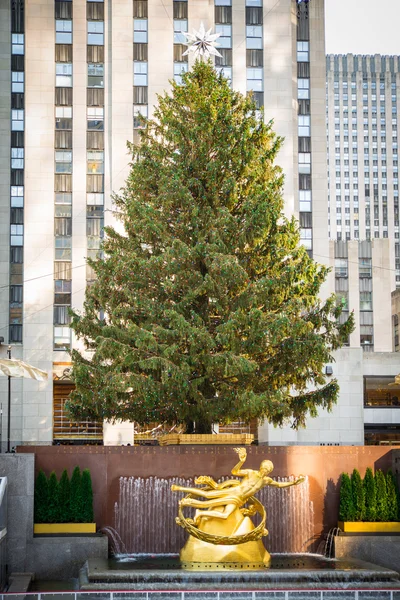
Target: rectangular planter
x=56 y=528
x=169 y=439
x=363 y=527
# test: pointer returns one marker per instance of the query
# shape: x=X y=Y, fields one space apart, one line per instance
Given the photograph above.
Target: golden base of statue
x=221 y=534
x=200 y=555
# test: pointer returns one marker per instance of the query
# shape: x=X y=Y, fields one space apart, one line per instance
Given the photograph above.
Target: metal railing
x=268 y=594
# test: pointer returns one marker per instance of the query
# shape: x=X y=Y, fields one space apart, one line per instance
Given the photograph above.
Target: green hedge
x=372 y=499
x=64 y=501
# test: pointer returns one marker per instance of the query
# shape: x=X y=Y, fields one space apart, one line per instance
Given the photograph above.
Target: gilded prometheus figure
x=223 y=520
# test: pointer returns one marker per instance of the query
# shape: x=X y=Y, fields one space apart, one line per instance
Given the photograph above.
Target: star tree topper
x=202 y=43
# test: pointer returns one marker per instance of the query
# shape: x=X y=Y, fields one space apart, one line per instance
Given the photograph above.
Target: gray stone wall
x=53 y=557
x=382 y=550
x=19 y=470
x=61 y=557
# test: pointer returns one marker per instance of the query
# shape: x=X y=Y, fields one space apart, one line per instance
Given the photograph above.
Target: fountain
x=223 y=538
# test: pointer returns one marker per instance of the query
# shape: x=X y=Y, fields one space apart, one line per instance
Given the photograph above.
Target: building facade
x=76 y=76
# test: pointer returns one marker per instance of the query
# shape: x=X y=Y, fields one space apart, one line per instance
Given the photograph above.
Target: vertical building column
x=381 y=295
x=239 y=45
x=79 y=250
x=39 y=217
x=5 y=135
x=160 y=48
x=280 y=22
x=354 y=291
x=318 y=131
x=122 y=97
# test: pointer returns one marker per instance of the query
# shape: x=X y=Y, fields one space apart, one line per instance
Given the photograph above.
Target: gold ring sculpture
x=222 y=534
x=256 y=534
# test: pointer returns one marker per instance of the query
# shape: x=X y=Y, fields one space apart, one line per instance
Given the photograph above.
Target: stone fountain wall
x=145 y=501
x=131 y=486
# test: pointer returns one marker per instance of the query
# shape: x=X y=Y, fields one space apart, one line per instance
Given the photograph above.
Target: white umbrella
x=12 y=367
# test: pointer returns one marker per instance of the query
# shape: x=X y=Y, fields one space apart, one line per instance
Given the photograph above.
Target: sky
x=362 y=26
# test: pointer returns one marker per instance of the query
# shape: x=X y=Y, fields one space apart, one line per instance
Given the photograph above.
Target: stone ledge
x=383 y=550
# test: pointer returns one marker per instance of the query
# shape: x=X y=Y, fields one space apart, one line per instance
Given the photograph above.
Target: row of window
x=95 y=32
x=17 y=160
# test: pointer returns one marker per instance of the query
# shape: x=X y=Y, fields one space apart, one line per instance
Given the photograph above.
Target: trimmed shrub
x=54 y=505
x=370 y=495
x=392 y=502
x=41 y=498
x=381 y=496
x=87 y=497
x=76 y=505
x=357 y=489
x=346 y=505
x=64 y=497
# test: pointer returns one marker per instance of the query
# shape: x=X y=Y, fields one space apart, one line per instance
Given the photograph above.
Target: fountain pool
x=287 y=571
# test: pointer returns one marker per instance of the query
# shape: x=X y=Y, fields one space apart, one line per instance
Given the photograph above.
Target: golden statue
x=222 y=534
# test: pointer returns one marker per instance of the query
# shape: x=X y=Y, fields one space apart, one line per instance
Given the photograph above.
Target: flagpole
x=9 y=406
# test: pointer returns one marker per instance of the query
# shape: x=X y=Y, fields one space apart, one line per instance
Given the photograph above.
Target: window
x=17 y=235
x=225 y=39
x=305 y=163
x=63 y=248
x=95 y=199
x=95 y=118
x=62 y=291
x=365 y=267
x=95 y=75
x=305 y=200
x=341 y=267
x=62 y=338
x=304 y=125
x=140 y=112
x=95 y=31
x=366 y=301
x=64 y=112
x=63 y=161
x=17 y=81
x=17 y=120
x=17 y=158
x=140 y=73
x=95 y=162
x=140 y=31
x=303 y=89
x=381 y=391
x=180 y=26
x=225 y=71
x=17 y=43
x=302 y=52
x=253 y=37
x=306 y=238
x=17 y=196
x=63 y=32
x=63 y=74
x=255 y=79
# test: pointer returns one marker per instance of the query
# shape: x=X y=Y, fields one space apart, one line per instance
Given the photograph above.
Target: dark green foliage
x=370 y=496
x=41 y=498
x=87 y=497
x=357 y=489
x=206 y=309
x=381 y=496
x=346 y=505
x=64 y=496
x=53 y=511
x=76 y=505
x=392 y=502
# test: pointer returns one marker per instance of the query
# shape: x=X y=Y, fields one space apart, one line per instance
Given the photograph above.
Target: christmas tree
x=205 y=309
